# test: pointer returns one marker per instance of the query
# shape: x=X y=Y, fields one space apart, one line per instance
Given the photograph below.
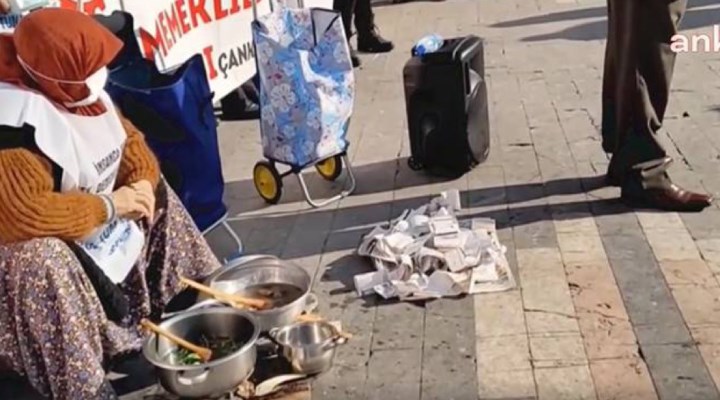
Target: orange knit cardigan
x=30 y=209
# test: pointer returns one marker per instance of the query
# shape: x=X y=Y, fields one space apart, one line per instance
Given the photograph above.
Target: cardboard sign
x=172 y=31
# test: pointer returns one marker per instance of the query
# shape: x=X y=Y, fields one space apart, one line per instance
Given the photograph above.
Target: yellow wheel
x=331 y=168
x=268 y=182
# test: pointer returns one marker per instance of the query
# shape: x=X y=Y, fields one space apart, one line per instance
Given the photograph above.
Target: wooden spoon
x=204 y=353
x=232 y=298
x=317 y=318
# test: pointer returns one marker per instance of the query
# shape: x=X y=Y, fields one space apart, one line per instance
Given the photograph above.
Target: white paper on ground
x=455 y=260
x=485 y=224
x=419 y=222
x=485 y=272
x=428 y=259
x=386 y=290
x=396 y=242
x=428 y=253
x=364 y=283
x=445 y=283
x=444 y=225
x=447 y=241
x=453 y=199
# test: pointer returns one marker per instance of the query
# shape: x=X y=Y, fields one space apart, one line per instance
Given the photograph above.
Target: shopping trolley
x=306 y=98
x=174 y=111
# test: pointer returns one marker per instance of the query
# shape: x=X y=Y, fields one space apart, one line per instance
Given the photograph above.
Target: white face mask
x=95 y=83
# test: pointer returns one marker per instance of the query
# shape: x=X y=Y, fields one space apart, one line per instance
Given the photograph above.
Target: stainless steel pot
x=308 y=346
x=217 y=377
x=243 y=273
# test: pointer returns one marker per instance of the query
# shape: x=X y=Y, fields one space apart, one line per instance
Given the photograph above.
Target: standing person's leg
x=346 y=9
x=609 y=139
x=368 y=39
x=237 y=106
x=638 y=73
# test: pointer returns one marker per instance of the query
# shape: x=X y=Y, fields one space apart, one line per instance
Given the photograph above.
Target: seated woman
x=91 y=238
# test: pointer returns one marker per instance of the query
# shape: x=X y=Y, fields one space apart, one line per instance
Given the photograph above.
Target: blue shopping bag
x=175 y=112
x=306 y=84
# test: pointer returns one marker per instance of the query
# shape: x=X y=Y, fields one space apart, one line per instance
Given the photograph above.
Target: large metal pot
x=243 y=274
x=217 y=377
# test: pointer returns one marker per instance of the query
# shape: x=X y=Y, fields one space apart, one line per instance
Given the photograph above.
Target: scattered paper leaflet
x=428 y=253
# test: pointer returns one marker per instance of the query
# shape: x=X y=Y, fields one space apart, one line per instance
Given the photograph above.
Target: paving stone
x=452 y=308
x=398 y=326
x=698 y=305
x=688 y=272
x=659 y=220
x=557 y=350
x=503 y=353
x=625 y=379
x=672 y=244
x=647 y=298
x=709 y=249
x=546 y=298
x=603 y=320
x=581 y=247
x=706 y=335
x=705 y=225
x=449 y=358
x=389 y=367
x=582 y=223
x=711 y=355
x=327 y=389
x=506 y=385
x=499 y=314
x=605 y=338
x=679 y=372
x=611 y=220
x=660 y=334
x=565 y=383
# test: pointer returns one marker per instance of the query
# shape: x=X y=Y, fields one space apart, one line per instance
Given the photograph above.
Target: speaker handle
x=460 y=46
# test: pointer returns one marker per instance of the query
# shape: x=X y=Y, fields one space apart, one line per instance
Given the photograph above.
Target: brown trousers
x=638 y=71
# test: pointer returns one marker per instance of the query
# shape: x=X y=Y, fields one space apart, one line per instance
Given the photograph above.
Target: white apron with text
x=89 y=151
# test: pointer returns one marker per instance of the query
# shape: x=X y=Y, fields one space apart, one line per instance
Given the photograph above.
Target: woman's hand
x=4 y=7
x=147 y=193
x=131 y=203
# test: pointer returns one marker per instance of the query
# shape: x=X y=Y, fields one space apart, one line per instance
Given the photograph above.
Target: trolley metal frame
x=329 y=168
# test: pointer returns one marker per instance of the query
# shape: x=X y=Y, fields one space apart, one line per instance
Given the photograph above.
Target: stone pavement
x=612 y=304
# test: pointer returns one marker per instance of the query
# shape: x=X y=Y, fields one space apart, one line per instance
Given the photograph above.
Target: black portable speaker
x=447 y=108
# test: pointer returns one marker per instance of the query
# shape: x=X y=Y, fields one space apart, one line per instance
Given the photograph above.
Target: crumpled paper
x=428 y=253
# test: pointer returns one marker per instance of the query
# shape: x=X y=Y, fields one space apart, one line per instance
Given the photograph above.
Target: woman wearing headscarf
x=91 y=238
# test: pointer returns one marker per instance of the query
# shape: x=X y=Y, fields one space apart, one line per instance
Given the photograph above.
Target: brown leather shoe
x=672 y=198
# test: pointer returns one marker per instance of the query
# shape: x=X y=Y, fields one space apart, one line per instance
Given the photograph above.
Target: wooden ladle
x=204 y=353
x=231 y=298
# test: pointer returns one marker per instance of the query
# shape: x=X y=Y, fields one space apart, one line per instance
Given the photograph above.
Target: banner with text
x=172 y=31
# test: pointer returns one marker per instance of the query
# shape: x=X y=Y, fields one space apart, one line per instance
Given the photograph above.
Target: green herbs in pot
x=220 y=347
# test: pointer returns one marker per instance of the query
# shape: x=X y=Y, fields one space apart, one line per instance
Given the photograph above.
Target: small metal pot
x=308 y=346
x=244 y=273
x=214 y=378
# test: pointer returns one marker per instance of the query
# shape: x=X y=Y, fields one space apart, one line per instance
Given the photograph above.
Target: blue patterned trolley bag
x=307 y=89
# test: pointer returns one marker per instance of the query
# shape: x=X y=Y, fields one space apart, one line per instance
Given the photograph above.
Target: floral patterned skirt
x=52 y=326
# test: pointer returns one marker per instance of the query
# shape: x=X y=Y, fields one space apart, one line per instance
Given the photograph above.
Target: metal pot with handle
x=308 y=346
x=218 y=376
x=244 y=274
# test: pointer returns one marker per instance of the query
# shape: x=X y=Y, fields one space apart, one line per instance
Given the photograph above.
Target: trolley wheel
x=268 y=182
x=331 y=168
x=414 y=164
